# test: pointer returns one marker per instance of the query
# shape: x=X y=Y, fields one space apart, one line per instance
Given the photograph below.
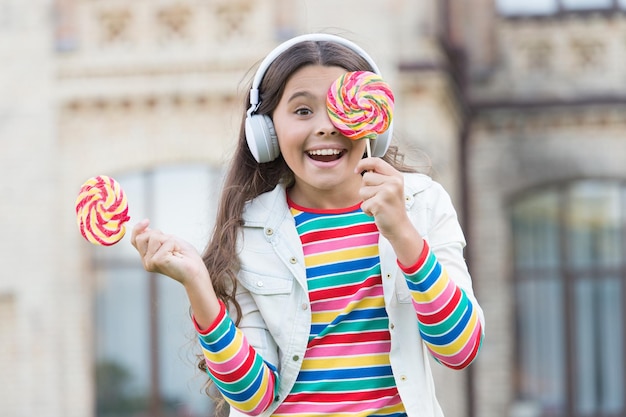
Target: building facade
x=517 y=108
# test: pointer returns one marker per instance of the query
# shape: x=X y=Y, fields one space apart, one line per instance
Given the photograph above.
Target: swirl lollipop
x=101 y=211
x=360 y=105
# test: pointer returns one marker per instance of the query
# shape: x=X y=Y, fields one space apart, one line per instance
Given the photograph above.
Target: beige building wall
x=550 y=110
x=513 y=153
x=42 y=348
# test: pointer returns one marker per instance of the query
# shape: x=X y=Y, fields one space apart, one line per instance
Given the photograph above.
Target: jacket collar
x=270 y=208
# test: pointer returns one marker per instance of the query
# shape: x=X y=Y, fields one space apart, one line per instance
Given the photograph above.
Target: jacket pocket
x=271 y=298
x=262 y=284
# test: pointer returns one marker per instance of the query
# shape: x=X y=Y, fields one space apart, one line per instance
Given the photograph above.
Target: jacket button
x=388 y=275
x=269 y=231
x=293 y=260
x=403 y=378
x=259 y=283
x=392 y=326
x=296 y=358
x=305 y=306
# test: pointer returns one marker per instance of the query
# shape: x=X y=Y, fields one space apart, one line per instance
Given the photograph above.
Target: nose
x=326 y=127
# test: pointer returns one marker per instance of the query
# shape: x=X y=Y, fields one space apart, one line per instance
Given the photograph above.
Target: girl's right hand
x=179 y=260
x=167 y=255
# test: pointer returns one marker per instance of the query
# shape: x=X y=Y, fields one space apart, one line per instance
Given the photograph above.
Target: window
x=145 y=344
x=570 y=276
x=551 y=7
x=531 y=7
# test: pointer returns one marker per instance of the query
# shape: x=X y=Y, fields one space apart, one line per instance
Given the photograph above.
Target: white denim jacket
x=273 y=294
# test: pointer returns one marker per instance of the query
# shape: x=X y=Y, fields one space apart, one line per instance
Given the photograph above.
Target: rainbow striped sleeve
x=244 y=379
x=448 y=321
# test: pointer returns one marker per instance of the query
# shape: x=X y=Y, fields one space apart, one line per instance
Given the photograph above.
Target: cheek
x=359 y=147
x=289 y=136
x=285 y=140
x=289 y=147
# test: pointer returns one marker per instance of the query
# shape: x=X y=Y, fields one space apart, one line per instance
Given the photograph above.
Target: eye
x=303 y=111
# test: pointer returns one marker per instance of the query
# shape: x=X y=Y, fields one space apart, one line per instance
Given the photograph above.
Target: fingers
x=383 y=179
x=139 y=229
x=147 y=242
x=374 y=165
x=382 y=187
x=374 y=173
x=154 y=243
x=166 y=254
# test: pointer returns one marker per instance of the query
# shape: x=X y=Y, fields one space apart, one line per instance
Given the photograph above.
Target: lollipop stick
x=369 y=148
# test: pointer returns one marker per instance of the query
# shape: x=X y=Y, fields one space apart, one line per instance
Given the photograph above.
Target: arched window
x=570 y=287
x=144 y=340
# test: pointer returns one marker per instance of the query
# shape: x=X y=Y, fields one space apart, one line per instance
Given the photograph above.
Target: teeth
x=325 y=152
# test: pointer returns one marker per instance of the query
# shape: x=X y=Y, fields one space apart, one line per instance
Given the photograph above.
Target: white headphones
x=259 y=129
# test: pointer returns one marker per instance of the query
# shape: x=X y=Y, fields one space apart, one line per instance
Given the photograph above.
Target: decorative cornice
x=573 y=56
x=558 y=15
x=542 y=104
x=137 y=70
x=516 y=116
x=133 y=25
x=146 y=103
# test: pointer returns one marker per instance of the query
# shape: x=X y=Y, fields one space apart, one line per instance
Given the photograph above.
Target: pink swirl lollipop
x=101 y=211
x=360 y=105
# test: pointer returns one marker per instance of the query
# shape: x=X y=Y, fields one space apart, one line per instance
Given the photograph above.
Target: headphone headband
x=315 y=37
x=259 y=128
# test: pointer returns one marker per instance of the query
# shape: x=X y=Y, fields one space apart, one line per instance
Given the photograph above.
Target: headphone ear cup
x=261 y=138
x=381 y=144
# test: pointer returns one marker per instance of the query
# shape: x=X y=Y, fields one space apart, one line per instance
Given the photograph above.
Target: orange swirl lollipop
x=360 y=105
x=102 y=211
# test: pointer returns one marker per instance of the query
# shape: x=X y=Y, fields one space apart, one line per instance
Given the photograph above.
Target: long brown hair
x=246 y=178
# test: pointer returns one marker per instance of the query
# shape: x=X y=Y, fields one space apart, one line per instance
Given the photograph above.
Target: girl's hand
x=167 y=254
x=382 y=191
x=178 y=260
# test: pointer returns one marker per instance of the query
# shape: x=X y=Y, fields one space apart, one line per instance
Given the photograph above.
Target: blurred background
x=518 y=107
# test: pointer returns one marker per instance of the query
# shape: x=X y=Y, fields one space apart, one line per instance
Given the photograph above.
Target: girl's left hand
x=382 y=191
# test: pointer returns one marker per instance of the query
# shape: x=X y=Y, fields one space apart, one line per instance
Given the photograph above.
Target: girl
x=330 y=276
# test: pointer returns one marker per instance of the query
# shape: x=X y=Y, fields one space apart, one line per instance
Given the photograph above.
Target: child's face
x=322 y=159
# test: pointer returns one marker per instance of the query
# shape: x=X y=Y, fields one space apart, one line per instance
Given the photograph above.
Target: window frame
x=570 y=276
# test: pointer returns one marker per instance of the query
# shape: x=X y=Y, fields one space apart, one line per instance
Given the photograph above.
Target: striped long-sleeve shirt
x=346 y=367
x=447 y=320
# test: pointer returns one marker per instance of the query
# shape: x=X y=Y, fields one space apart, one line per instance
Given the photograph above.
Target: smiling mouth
x=325 y=155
